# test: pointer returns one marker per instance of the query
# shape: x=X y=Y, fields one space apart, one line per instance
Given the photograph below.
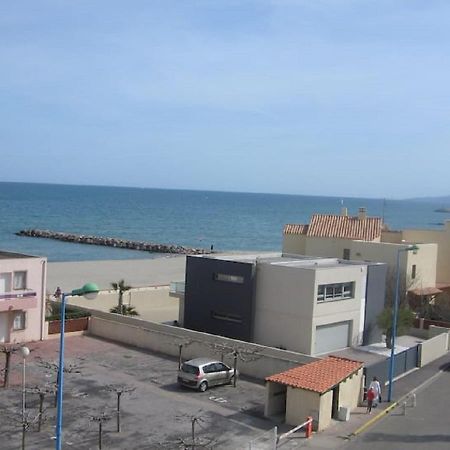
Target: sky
x=317 y=97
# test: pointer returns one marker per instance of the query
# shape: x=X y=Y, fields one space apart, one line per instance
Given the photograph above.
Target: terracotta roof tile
x=335 y=226
x=295 y=229
x=318 y=376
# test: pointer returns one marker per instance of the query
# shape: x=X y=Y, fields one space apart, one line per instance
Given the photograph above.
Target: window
x=336 y=291
x=346 y=254
x=19 y=321
x=413 y=271
x=20 y=280
x=228 y=278
x=226 y=317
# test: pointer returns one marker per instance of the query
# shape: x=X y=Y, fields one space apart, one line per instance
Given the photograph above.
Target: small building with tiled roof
x=318 y=390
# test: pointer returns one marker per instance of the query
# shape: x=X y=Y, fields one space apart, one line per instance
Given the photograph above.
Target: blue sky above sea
x=342 y=98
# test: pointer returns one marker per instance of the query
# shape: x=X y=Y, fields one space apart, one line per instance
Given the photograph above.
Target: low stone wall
x=433 y=348
x=112 y=242
x=254 y=360
x=80 y=324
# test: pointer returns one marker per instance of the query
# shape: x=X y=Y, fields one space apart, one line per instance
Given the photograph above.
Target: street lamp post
x=411 y=248
x=24 y=351
x=90 y=291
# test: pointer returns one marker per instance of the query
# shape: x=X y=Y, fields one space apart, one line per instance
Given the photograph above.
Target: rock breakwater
x=112 y=242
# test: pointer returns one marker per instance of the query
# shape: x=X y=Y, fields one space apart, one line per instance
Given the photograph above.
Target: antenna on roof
x=344 y=211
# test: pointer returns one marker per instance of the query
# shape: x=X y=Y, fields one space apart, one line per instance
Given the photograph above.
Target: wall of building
x=294 y=243
x=325 y=409
x=219 y=307
x=284 y=307
x=257 y=361
x=350 y=390
x=375 y=300
x=329 y=312
x=275 y=399
x=300 y=404
x=442 y=239
x=427 y=260
x=35 y=315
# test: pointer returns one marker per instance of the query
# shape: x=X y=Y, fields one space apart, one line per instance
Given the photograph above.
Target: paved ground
x=425 y=426
x=157 y=415
x=429 y=419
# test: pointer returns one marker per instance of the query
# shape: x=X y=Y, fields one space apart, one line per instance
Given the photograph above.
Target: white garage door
x=332 y=337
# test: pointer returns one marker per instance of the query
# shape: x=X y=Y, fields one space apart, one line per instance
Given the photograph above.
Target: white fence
x=433 y=348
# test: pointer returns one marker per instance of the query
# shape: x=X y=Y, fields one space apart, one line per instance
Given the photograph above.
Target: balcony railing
x=177 y=287
x=18 y=300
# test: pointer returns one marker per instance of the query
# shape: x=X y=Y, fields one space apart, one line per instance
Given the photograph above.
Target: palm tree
x=125 y=310
x=121 y=287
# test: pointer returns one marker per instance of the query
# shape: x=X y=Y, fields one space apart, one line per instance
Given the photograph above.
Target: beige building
x=364 y=238
x=320 y=390
x=320 y=303
x=22 y=297
x=439 y=237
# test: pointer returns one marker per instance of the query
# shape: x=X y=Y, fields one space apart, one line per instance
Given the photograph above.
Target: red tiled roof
x=293 y=228
x=318 y=376
x=334 y=226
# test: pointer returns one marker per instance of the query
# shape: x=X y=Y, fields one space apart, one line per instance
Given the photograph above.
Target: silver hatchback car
x=202 y=373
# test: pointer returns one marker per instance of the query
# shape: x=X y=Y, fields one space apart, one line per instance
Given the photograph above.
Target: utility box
x=344 y=414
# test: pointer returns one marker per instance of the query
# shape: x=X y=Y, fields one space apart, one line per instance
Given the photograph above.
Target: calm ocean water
x=230 y=221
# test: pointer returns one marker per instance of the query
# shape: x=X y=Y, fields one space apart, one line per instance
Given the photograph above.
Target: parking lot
x=155 y=414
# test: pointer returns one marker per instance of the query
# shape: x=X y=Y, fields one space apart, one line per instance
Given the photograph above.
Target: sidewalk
x=338 y=434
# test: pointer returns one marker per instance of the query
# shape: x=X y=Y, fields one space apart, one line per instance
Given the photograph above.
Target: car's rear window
x=190 y=369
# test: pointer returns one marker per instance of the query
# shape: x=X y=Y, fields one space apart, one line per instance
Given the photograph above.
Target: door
x=332 y=337
x=4 y=327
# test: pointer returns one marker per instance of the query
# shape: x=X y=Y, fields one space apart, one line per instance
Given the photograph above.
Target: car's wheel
x=203 y=386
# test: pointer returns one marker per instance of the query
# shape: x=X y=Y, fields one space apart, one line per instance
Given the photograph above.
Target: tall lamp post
x=89 y=291
x=24 y=351
x=412 y=248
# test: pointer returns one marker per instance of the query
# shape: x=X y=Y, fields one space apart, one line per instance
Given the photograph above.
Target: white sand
x=135 y=272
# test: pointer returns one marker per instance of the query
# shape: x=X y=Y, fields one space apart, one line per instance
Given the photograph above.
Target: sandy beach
x=135 y=272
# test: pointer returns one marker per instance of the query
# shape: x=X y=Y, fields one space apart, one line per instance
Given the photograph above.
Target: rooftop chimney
x=344 y=211
x=362 y=213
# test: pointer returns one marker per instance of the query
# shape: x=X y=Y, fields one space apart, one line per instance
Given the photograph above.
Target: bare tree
x=119 y=390
x=100 y=418
x=7 y=350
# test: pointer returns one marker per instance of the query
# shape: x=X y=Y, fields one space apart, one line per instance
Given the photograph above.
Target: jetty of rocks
x=112 y=242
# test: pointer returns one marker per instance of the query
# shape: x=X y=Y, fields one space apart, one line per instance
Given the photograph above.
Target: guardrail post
x=414 y=400
x=308 y=429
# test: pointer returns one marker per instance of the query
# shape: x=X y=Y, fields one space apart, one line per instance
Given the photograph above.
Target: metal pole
x=59 y=413
x=394 y=328
x=23 y=391
x=100 y=434
x=118 y=411
x=24 y=430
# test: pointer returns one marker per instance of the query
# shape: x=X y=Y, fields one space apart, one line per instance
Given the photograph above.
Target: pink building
x=22 y=297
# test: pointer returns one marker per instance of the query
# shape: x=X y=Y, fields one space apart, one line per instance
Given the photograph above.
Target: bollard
x=404 y=408
x=414 y=400
x=308 y=429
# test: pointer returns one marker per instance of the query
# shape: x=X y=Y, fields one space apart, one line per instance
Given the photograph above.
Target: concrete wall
x=275 y=399
x=256 y=360
x=152 y=303
x=442 y=239
x=350 y=390
x=326 y=406
x=433 y=348
x=301 y=404
x=284 y=309
x=434 y=330
x=36 y=269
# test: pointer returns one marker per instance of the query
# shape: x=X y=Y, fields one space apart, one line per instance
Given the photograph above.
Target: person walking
x=370 y=397
x=375 y=385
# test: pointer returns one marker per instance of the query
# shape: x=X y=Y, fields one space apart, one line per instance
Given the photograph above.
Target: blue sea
x=229 y=221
